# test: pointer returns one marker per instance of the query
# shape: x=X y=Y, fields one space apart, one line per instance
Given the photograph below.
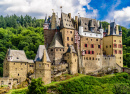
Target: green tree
x=37 y=87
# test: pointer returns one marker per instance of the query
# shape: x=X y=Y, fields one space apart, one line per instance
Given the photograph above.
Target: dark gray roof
x=57 y=41
x=69 y=49
x=112 y=28
x=40 y=53
x=66 y=21
x=87 y=22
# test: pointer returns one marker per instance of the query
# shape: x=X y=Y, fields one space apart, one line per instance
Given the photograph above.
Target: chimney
x=117 y=31
x=108 y=30
x=69 y=15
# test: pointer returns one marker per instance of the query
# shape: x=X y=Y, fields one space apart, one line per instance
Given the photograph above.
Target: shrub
x=37 y=87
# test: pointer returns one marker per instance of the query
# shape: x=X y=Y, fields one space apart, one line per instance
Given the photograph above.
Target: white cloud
x=121 y=17
x=39 y=8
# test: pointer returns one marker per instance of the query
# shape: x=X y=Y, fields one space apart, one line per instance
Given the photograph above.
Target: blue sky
x=104 y=10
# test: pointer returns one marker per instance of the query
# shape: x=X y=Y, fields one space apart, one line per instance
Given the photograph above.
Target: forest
x=26 y=33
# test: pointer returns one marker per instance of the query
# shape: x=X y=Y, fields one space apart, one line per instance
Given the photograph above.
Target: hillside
x=111 y=84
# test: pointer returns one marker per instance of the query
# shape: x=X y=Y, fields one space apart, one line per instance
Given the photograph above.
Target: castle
x=72 y=46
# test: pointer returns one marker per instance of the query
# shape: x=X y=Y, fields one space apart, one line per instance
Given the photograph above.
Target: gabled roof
x=69 y=49
x=18 y=56
x=40 y=53
x=66 y=21
x=57 y=41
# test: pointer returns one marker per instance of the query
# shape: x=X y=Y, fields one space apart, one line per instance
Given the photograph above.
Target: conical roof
x=57 y=41
x=40 y=53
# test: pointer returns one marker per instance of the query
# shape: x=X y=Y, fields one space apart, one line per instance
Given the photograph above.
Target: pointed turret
x=46 y=19
x=46 y=24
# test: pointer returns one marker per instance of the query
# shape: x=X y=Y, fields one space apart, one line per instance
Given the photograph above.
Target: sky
x=104 y=10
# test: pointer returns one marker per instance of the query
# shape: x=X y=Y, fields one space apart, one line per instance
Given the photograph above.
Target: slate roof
x=66 y=21
x=69 y=49
x=57 y=41
x=18 y=56
x=87 y=22
x=40 y=53
x=112 y=28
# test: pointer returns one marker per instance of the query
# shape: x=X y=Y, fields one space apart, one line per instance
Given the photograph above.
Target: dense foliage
x=116 y=84
x=37 y=87
x=16 y=21
x=126 y=44
x=119 y=84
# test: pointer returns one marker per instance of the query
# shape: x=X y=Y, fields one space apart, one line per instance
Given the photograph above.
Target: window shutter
x=86 y=52
x=84 y=45
x=121 y=45
x=87 y=45
x=90 y=52
x=113 y=45
x=100 y=46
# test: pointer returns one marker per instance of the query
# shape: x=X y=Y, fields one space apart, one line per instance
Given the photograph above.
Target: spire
x=46 y=18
